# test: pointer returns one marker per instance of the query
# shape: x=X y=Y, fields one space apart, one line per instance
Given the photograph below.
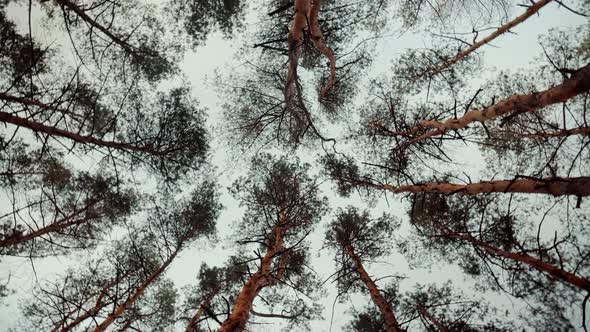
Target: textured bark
x=577 y=84
x=56 y=226
x=562 y=133
x=531 y=10
x=306 y=18
x=120 y=309
x=88 y=313
x=53 y=131
x=25 y=101
x=431 y=318
x=319 y=42
x=260 y=279
x=192 y=324
x=533 y=262
x=295 y=40
x=579 y=186
x=47 y=107
x=391 y=322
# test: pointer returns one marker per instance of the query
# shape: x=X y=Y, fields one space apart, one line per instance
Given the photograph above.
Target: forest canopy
x=305 y=165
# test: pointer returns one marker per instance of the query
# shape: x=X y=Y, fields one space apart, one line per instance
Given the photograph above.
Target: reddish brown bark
x=531 y=10
x=25 y=101
x=88 y=313
x=53 y=131
x=391 y=322
x=577 y=84
x=533 y=262
x=120 y=309
x=431 y=318
x=306 y=18
x=262 y=278
x=41 y=105
x=192 y=324
x=295 y=40
x=56 y=226
x=319 y=42
x=579 y=186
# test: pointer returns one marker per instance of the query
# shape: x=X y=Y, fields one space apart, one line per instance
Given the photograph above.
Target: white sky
x=512 y=51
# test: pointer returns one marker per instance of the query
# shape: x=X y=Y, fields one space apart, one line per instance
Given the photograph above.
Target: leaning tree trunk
x=391 y=322
x=440 y=326
x=531 y=10
x=98 y=306
x=53 y=227
x=57 y=132
x=192 y=324
x=577 y=84
x=578 y=186
x=33 y=102
x=533 y=262
x=120 y=309
x=262 y=278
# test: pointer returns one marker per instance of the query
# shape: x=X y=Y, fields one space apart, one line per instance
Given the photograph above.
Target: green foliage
x=274 y=185
x=108 y=91
x=201 y=18
x=99 y=117
x=171 y=136
x=179 y=222
x=112 y=278
x=354 y=229
x=157 y=311
x=19 y=56
x=131 y=41
x=369 y=319
x=415 y=13
x=82 y=209
x=343 y=171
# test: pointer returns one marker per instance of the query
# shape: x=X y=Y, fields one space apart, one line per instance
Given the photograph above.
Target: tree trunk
x=53 y=131
x=531 y=10
x=88 y=313
x=192 y=324
x=533 y=262
x=562 y=133
x=579 y=186
x=262 y=278
x=295 y=43
x=82 y=14
x=319 y=42
x=28 y=101
x=53 y=227
x=391 y=322
x=431 y=318
x=577 y=84
x=120 y=309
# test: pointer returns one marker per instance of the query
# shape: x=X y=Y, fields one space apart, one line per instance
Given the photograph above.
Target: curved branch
x=577 y=84
x=531 y=10
x=255 y=313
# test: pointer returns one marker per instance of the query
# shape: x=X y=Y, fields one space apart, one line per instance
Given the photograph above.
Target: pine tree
x=283 y=204
x=357 y=238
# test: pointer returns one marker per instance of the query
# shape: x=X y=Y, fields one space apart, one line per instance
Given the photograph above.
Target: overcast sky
x=512 y=51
